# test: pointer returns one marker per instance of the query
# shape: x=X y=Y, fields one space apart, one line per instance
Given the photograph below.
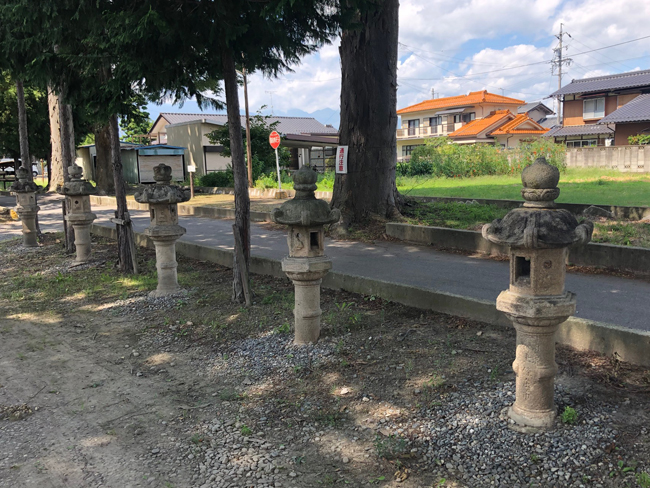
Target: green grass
x=595 y=186
x=452 y=215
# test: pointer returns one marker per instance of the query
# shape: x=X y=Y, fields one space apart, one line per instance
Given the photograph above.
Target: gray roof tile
x=637 y=110
x=522 y=109
x=287 y=125
x=579 y=130
x=620 y=81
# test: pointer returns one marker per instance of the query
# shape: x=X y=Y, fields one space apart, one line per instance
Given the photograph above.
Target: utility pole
x=248 y=134
x=271 y=92
x=556 y=64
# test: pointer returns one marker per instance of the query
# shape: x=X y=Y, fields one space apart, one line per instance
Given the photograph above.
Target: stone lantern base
x=27 y=210
x=536 y=320
x=81 y=224
x=164 y=240
x=307 y=275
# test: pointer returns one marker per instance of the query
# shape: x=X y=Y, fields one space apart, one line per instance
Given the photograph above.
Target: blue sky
x=469 y=45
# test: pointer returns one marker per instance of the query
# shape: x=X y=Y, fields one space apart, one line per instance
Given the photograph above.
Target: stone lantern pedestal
x=306 y=264
x=538 y=235
x=164 y=231
x=26 y=208
x=77 y=202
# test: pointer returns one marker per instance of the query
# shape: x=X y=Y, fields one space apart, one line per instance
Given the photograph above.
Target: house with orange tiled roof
x=443 y=116
x=521 y=128
x=479 y=130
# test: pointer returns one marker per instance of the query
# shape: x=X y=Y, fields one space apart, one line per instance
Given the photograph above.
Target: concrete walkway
x=601 y=298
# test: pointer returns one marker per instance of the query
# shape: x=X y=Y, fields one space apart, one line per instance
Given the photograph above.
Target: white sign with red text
x=342 y=160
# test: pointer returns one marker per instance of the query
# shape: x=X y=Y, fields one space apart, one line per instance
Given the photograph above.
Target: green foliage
x=246 y=431
x=137 y=123
x=38 y=122
x=270 y=180
x=440 y=157
x=222 y=179
x=643 y=479
x=263 y=155
x=569 y=416
x=639 y=140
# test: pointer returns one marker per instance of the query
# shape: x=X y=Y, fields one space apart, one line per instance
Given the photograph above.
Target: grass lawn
x=600 y=187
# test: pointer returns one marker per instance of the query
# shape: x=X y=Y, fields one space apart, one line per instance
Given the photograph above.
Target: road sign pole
x=277 y=165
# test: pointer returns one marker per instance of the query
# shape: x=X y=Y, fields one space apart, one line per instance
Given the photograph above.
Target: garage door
x=147 y=163
x=214 y=161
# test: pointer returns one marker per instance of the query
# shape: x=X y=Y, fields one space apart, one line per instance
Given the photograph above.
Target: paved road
x=606 y=299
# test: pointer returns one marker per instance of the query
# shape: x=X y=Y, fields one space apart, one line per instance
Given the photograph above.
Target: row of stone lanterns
x=538 y=235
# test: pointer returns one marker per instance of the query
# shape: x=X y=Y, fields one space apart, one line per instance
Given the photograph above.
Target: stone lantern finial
x=162 y=174
x=538 y=235
x=306 y=264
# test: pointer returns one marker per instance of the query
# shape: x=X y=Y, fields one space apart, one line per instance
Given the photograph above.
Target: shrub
x=218 y=178
x=639 y=140
x=569 y=416
x=441 y=158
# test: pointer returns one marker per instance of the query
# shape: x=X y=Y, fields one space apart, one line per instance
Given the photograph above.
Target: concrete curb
x=619 y=211
x=630 y=345
x=600 y=255
x=186 y=210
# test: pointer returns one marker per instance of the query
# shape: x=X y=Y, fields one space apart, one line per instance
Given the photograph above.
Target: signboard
x=274 y=139
x=342 y=160
x=191 y=168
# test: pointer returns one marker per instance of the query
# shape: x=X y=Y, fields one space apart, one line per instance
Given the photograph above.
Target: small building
x=479 y=130
x=300 y=134
x=137 y=161
x=140 y=162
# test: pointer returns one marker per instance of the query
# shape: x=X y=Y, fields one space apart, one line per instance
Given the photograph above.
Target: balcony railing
x=431 y=131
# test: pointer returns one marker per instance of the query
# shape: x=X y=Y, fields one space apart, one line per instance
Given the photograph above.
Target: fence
x=635 y=159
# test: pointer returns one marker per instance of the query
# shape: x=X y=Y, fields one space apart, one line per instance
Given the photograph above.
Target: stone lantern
x=164 y=231
x=538 y=235
x=306 y=264
x=25 y=191
x=77 y=193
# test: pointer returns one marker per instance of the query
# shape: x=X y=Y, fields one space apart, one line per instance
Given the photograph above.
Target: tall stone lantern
x=163 y=199
x=25 y=191
x=77 y=193
x=538 y=235
x=306 y=264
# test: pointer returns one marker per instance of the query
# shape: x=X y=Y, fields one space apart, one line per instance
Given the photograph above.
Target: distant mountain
x=324 y=116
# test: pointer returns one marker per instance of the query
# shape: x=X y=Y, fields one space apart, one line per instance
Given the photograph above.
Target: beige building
x=305 y=136
x=444 y=116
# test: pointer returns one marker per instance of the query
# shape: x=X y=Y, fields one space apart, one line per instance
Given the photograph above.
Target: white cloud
x=464 y=46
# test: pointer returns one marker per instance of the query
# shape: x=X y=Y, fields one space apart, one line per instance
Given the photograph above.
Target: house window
x=593 y=108
x=433 y=121
x=468 y=117
x=582 y=143
x=458 y=118
x=413 y=126
x=407 y=150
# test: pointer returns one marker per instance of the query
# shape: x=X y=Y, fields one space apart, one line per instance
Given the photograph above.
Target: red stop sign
x=274 y=139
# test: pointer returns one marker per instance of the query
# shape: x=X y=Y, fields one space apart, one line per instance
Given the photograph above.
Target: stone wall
x=635 y=159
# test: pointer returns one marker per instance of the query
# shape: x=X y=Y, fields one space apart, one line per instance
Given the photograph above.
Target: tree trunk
x=48 y=168
x=22 y=129
x=67 y=153
x=125 y=238
x=369 y=74
x=242 y=200
x=104 y=177
x=55 y=172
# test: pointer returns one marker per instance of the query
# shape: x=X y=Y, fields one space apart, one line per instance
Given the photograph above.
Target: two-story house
x=443 y=116
x=604 y=110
